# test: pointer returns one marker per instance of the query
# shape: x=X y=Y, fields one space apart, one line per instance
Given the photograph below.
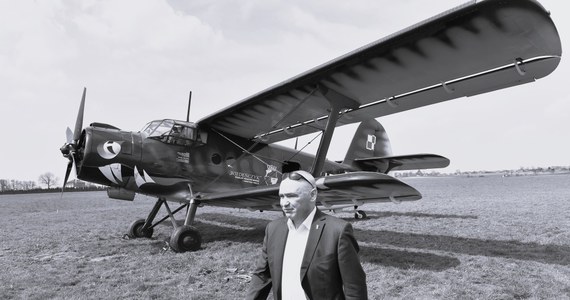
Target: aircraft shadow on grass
x=387 y=214
x=549 y=254
x=400 y=258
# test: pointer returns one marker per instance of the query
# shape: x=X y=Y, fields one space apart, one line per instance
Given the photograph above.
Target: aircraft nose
x=65 y=149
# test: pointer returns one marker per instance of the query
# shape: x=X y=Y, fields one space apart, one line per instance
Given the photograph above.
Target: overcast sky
x=138 y=60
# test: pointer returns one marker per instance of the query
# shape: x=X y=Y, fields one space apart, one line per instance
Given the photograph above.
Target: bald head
x=298 y=195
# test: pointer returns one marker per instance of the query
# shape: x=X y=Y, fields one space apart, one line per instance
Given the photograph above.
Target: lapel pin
x=317 y=226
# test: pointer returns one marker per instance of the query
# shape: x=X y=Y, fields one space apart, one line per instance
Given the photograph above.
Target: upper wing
x=354 y=188
x=472 y=49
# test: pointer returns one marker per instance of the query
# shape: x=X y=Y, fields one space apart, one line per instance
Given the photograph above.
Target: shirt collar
x=307 y=223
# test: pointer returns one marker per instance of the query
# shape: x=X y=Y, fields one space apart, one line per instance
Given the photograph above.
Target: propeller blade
x=69 y=135
x=68 y=150
x=79 y=122
x=67 y=172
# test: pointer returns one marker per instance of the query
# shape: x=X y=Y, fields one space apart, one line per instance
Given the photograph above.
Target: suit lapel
x=314 y=236
x=280 y=238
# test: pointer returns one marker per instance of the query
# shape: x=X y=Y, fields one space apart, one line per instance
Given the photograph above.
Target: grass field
x=468 y=238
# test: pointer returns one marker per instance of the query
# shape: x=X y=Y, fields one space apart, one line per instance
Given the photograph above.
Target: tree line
x=522 y=171
x=16 y=185
x=47 y=182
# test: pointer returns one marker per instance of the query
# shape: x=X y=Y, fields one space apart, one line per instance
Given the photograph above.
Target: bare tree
x=4 y=185
x=48 y=179
x=29 y=185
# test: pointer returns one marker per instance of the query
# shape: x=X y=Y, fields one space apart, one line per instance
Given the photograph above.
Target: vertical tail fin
x=370 y=140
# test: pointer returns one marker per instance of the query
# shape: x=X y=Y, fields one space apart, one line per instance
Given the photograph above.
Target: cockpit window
x=171 y=132
x=157 y=128
x=163 y=128
x=149 y=128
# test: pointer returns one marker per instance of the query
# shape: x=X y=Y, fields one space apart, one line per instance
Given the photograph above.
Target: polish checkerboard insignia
x=370 y=142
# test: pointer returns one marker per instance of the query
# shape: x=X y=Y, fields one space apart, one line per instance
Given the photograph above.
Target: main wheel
x=359 y=214
x=185 y=238
x=137 y=230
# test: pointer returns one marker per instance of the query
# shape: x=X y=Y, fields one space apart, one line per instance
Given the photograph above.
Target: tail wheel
x=137 y=230
x=185 y=238
x=359 y=214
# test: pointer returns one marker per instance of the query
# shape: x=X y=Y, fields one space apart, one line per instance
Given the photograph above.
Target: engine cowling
x=120 y=193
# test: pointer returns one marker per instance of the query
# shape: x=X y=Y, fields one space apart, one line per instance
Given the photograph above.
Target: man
x=307 y=254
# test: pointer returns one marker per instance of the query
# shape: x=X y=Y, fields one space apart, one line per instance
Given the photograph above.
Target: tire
x=136 y=230
x=185 y=238
x=359 y=214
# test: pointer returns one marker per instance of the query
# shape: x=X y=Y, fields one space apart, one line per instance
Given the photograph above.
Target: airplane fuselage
x=165 y=165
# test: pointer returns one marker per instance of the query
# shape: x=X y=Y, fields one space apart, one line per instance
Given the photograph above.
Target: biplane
x=230 y=158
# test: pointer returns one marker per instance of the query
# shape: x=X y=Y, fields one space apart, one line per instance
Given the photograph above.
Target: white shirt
x=293 y=258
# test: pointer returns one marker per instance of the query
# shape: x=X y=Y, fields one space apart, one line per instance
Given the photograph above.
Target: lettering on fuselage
x=270 y=177
x=246 y=177
x=183 y=157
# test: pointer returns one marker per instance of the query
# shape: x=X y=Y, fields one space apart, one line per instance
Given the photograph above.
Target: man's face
x=297 y=199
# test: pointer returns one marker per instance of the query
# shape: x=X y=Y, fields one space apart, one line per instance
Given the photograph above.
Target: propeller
x=79 y=121
x=69 y=149
x=68 y=171
x=69 y=135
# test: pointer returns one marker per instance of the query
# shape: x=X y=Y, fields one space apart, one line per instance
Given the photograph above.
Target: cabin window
x=216 y=159
x=181 y=135
x=171 y=132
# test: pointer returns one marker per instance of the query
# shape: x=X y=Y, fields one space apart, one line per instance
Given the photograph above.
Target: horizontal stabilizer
x=402 y=162
x=349 y=189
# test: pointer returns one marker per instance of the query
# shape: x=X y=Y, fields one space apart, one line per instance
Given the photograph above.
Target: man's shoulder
x=331 y=220
x=277 y=222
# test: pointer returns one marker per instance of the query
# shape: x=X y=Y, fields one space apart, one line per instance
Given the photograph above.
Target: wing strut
x=338 y=103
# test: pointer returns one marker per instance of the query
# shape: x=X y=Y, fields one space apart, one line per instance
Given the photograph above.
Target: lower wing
x=349 y=189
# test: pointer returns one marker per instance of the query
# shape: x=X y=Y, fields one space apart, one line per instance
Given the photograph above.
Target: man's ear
x=313 y=195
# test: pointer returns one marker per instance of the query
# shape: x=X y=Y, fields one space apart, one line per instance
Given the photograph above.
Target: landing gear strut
x=186 y=237
x=183 y=238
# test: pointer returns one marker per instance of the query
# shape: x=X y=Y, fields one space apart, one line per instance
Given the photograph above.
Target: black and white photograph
x=171 y=149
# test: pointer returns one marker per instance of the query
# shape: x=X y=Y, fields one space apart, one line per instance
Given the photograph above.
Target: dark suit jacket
x=330 y=268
